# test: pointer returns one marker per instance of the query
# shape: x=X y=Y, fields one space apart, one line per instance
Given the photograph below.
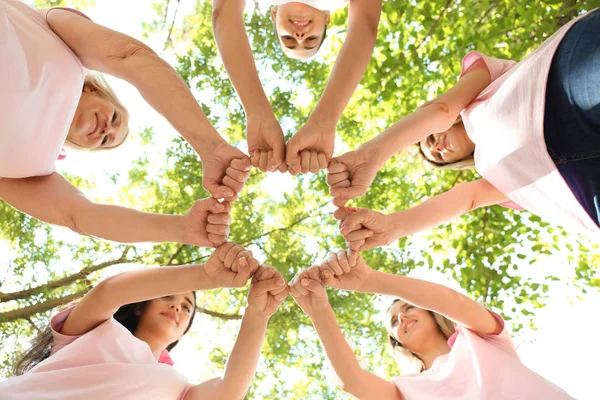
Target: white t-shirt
x=105 y=363
x=323 y=5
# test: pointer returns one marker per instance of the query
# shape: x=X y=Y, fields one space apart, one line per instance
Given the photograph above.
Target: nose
x=437 y=145
x=175 y=306
x=299 y=35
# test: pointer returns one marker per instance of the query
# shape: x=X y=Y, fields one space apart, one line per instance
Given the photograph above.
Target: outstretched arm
x=310 y=295
x=54 y=200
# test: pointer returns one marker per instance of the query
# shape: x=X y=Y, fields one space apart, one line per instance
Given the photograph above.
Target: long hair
x=409 y=359
x=41 y=345
x=460 y=165
x=96 y=81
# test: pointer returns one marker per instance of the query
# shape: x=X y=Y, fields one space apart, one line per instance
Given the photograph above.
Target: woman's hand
x=351 y=174
x=310 y=149
x=365 y=229
x=266 y=144
x=267 y=291
x=345 y=270
x=224 y=171
x=230 y=265
x=308 y=291
x=207 y=223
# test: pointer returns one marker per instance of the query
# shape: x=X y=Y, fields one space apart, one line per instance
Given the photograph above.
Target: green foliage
x=488 y=252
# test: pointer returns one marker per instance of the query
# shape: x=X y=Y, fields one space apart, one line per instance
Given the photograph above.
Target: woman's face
x=168 y=317
x=97 y=122
x=448 y=147
x=411 y=326
x=300 y=29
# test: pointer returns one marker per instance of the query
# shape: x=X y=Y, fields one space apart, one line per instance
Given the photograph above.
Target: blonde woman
x=531 y=129
x=49 y=98
x=300 y=27
x=459 y=349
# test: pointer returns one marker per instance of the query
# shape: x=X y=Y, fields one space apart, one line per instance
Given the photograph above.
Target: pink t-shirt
x=41 y=81
x=106 y=363
x=323 y=5
x=481 y=367
x=506 y=123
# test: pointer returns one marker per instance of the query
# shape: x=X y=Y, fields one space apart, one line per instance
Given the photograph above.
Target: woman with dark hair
x=457 y=348
x=531 y=129
x=300 y=27
x=114 y=343
x=50 y=100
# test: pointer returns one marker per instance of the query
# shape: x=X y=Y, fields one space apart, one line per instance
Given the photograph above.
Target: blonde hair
x=96 y=81
x=461 y=165
x=409 y=362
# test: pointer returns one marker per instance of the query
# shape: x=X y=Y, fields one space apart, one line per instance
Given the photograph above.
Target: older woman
x=49 y=98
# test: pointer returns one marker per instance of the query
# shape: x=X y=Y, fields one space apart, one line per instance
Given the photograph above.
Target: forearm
x=446 y=206
x=125 y=225
x=234 y=49
x=244 y=357
x=350 y=64
x=339 y=353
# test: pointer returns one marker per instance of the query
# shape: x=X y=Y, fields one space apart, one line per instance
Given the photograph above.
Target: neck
x=156 y=345
x=439 y=347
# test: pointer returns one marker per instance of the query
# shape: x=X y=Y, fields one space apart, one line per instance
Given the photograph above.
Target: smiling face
x=448 y=147
x=300 y=29
x=414 y=328
x=167 y=318
x=98 y=123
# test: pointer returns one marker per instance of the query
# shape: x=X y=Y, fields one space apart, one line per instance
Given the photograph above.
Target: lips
x=409 y=325
x=95 y=126
x=171 y=316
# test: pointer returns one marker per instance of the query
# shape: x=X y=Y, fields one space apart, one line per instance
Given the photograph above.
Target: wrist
x=324 y=120
x=204 y=281
x=372 y=152
x=372 y=283
x=205 y=143
x=256 y=316
x=320 y=312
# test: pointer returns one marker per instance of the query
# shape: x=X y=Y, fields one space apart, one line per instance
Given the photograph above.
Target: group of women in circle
x=531 y=129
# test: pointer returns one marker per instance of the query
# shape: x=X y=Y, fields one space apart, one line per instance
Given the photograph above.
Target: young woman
x=300 y=27
x=114 y=343
x=532 y=130
x=49 y=99
x=461 y=349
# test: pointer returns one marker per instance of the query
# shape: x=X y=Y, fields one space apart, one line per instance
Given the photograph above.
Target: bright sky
x=564 y=349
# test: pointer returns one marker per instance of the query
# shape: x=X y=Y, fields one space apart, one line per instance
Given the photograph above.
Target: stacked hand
x=231 y=265
x=345 y=270
x=365 y=229
x=308 y=291
x=267 y=291
x=351 y=174
x=310 y=149
x=207 y=223
x=266 y=144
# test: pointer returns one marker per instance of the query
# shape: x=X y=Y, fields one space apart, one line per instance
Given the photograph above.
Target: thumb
x=217 y=191
x=328 y=279
x=278 y=155
x=353 y=222
x=265 y=286
x=291 y=156
x=311 y=285
x=211 y=204
x=347 y=193
x=343 y=212
x=335 y=166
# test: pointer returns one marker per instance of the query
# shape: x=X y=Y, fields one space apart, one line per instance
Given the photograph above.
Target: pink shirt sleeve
x=496 y=66
x=502 y=340
x=56 y=325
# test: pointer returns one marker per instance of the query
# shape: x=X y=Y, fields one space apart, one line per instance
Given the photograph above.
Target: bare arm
x=351 y=61
x=102 y=49
x=234 y=48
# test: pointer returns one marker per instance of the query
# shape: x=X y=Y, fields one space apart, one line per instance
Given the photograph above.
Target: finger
x=263 y=161
x=255 y=156
x=294 y=291
x=358 y=235
x=241 y=164
x=343 y=212
x=254 y=264
x=219 y=219
x=270 y=163
x=281 y=296
x=322 y=160
x=263 y=287
x=283 y=167
x=357 y=245
x=336 y=167
x=305 y=161
x=334 y=179
x=313 y=165
x=218 y=191
x=240 y=265
x=347 y=193
x=217 y=240
x=222 y=230
x=224 y=249
x=211 y=204
x=266 y=272
x=233 y=184
x=243 y=274
x=341 y=185
x=310 y=285
x=301 y=289
x=334 y=265
x=352 y=257
x=277 y=158
x=237 y=174
x=314 y=273
x=232 y=255
x=292 y=158
x=328 y=279
x=354 y=221
x=343 y=260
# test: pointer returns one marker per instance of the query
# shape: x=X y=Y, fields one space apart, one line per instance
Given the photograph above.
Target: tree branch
x=82 y=274
x=168 y=40
x=215 y=314
x=27 y=312
x=435 y=24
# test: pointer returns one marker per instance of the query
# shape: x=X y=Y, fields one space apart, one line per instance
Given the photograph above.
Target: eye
x=167 y=297
x=114 y=117
x=187 y=309
x=104 y=140
x=287 y=37
x=311 y=38
x=394 y=322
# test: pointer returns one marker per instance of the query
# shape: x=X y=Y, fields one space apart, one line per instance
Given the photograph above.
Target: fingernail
x=230 y=193
x=335 y=194
x=326 y=274
x=243 y=261
x=220 y=206
x=279 y=282
x=370 y=233
x=304 y=282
